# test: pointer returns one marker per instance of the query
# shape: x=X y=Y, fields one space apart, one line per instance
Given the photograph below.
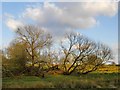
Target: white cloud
x=13 y=24
x=11 y=21
x=33 y=13
x=60 y=16
x=101 y=8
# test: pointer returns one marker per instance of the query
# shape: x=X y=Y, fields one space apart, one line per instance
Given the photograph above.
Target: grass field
x=93 y=80
x=107 y=76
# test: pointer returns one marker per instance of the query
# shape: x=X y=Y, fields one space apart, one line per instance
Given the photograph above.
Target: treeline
x=30 y=53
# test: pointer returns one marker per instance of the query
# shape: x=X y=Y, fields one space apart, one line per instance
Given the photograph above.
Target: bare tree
x=82 y=54
x=35 y=39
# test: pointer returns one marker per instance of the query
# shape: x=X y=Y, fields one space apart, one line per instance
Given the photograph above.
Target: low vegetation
x=94 y=80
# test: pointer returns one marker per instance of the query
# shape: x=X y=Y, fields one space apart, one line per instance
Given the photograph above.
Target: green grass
x=93 y=80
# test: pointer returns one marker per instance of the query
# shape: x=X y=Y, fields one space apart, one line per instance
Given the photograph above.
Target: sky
x=96 y=20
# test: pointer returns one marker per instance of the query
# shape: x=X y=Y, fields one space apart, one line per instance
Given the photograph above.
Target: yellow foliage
x=109 y=69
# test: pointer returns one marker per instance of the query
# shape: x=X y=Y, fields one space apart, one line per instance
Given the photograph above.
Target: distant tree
x=17 y=55
x=83 y=55
x=6 y=64
x=34 y=38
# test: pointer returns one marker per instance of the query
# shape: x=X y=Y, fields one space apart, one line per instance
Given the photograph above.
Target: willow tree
x=34 y=39
x=83 y=55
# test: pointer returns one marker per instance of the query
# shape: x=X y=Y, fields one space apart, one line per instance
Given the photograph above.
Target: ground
x=105 y=77
x=93 y=80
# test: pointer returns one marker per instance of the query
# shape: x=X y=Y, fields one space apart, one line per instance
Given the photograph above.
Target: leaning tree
x=82 y=55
